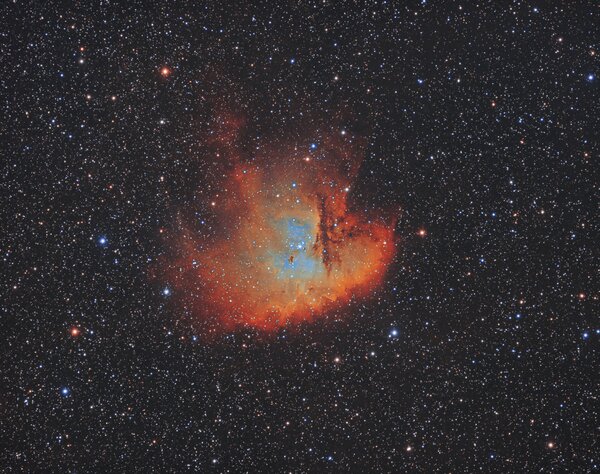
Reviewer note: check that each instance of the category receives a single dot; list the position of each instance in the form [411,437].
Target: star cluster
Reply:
[124,125]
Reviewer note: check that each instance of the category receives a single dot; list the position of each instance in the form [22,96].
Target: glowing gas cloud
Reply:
[287,247]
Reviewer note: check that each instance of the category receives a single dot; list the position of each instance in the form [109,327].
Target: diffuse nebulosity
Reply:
[289,245]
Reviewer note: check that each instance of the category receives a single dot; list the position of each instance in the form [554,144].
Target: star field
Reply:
[477,126]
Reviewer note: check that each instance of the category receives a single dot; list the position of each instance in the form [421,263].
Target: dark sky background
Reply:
[478,353]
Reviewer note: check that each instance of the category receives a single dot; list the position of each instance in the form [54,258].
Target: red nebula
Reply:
[289,247]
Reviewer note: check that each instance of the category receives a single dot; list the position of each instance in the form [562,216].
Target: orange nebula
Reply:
[289,246]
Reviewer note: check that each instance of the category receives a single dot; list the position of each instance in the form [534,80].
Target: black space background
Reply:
[495,364]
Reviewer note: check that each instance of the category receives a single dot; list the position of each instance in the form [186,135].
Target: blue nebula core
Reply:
[297,259]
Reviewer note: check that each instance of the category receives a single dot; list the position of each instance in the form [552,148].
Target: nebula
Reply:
[287,247]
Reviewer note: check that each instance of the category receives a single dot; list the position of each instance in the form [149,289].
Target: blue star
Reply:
[590,77]
[102,241]
[166,291]
[393,333]
[585,335]
[65,391]
[313,146]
